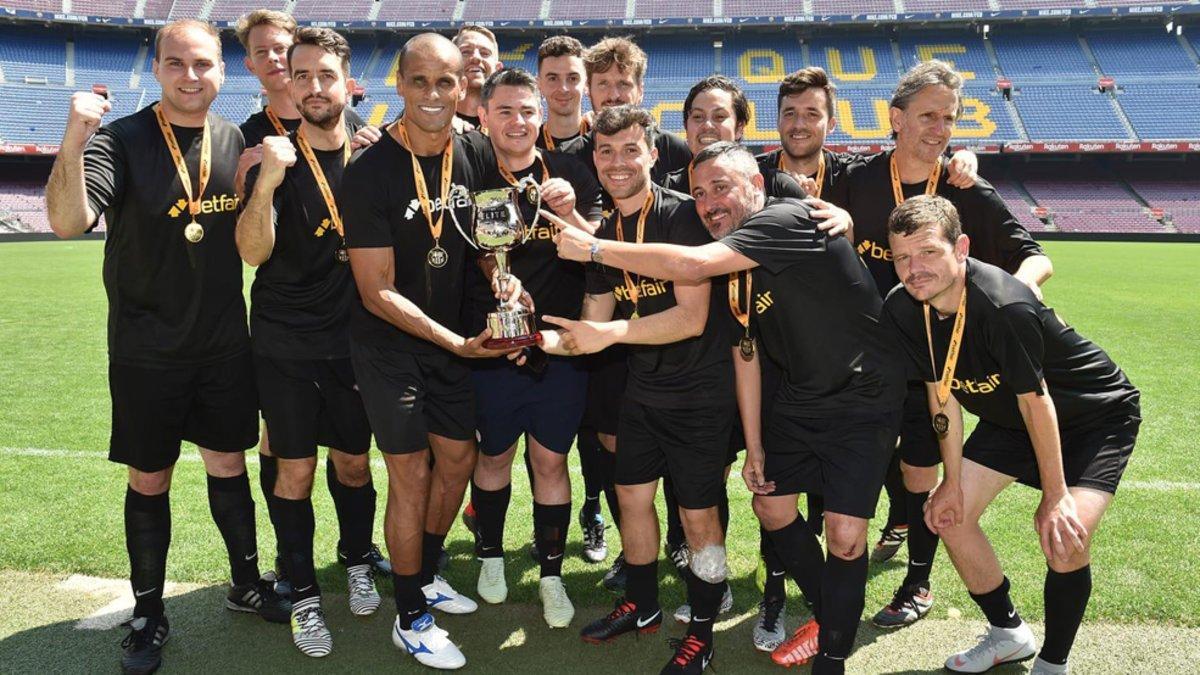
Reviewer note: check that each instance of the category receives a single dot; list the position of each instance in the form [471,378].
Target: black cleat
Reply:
[259,597]
[614,578]
[626,618]
[692,656]
[143,646]
[381,565]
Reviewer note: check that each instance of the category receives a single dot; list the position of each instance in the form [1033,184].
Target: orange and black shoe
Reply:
[692,656]
[800,648]
[626,618]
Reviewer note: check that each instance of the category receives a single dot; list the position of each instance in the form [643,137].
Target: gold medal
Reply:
[746,348]
[746,344]
[941,424]
[194,232]
[342,255]
[437,257]
[631,289]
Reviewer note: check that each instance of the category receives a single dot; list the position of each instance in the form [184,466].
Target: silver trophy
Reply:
[499,227]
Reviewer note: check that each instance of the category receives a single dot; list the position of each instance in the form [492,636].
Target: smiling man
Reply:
[562,80]
[481,58]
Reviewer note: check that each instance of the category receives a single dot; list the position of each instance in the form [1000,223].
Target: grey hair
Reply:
[929,73]
[740,158]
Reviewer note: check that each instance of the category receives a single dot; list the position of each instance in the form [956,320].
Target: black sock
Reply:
[410,601]
[588,446]
[843,593]
[641,586]
[1066,597]
[816,513]
[232,509]
[922,542]
[893,482]
[773,585]
[723,510]
[431,551]
[355,507]
[550,523]
[147,538]
[608,469]
[998,607]
[801,555]
[705,600]
[675,536]
[491,509]
[295,533]
[828,665]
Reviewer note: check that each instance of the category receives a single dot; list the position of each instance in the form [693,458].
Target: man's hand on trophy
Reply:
[510,291]
[559,196]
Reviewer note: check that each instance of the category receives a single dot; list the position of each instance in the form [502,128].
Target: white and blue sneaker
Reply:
[441,596]
[428,644]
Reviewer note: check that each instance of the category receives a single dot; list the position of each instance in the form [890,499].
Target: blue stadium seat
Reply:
[1042,57]
[1141,54]
[1068,112]
[1163,111]
[33,54]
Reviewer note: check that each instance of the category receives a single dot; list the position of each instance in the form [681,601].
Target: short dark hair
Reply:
[559,45]
[507,77]
[921,211]
[614,120]
[804,79]
[326,39]
[741,107]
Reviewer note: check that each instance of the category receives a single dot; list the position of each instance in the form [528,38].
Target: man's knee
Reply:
[919,478]
[846,537]
[701,524]
[150,483]
[709,563]
[295,478]
[352,470]
[223,464]
[773,513]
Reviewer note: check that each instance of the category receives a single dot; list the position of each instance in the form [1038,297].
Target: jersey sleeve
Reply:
[363,206]
[1015,340]
[103,171]
[589,197]
[782,185]
[897,318]
[596,280]
[778,236]
[686,227]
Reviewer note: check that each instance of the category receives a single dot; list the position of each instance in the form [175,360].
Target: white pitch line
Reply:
[1154,485]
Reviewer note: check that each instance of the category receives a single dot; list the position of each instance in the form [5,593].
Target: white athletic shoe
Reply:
[309,632]
[441,596]
[684,613]
[997,646]
[1041,667]
[360,582]
[492,587]
[556,606]
[428,644]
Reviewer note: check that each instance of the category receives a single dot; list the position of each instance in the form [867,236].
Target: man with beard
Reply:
[292,231]
[838,410]
[481,58]
[179,359]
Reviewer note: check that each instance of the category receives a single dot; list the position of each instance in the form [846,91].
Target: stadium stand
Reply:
[653,9]
[417,10]
[33,56]
[23,208]
[1042,56]
[593,9]
[1068,112]
[1143,54]
[521,10]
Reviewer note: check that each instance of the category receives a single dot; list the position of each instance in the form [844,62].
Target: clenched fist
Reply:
[278,154]
[86,115]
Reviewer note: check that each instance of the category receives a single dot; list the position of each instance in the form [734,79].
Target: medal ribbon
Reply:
[435,227]
[735,304]
[930,186]
[276,122]
[630,288]
[322,181]
[512,179]
[548,140]
[820,178]
[960,323]
[181,165]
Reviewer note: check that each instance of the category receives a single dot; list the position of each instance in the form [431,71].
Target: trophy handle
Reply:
[529,185]
[456,192]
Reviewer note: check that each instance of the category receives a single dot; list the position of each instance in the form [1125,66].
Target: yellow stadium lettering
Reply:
[667,106]
[378,111]
[976,121]
[753,133]
[761,66]
[390,80]
[869,70]
[883,125]
[930,52]
[517,54]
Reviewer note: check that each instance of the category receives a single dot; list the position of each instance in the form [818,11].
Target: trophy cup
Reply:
[498,227]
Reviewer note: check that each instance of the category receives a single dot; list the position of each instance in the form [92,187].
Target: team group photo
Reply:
[599,339]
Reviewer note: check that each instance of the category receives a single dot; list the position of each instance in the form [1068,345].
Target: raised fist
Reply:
[86,115]
[278,154]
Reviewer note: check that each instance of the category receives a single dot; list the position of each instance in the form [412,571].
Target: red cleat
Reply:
[800,648]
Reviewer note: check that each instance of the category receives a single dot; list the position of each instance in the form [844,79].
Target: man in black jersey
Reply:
[267,35]
[544,405]
[562,80]
[481,58]
[409,264]
[837,413]
[924,110]
[1055,413]
[179,359]
[677,409]
[292,231]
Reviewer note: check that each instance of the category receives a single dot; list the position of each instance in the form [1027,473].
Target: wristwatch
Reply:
[595,251]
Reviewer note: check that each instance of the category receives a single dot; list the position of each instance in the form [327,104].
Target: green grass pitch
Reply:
[60,510]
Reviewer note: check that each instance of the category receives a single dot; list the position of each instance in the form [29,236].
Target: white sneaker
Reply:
[428,644]
[441,596]
[309,632]
[360,582]
[997,646]
[556,606]
[1041,667]
[492,587]
[684,613]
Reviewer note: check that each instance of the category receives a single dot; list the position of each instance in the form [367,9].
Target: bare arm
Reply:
[255,233]
[945,505]
[1059,528]
[1035,271]
[686,319]
[66,192]
[748,385]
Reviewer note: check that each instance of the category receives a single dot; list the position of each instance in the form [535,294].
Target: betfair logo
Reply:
[414,206]
[869,249]
[323,228]
[987,386]
[646,288]
[763,302]
[214,204]
[544,233]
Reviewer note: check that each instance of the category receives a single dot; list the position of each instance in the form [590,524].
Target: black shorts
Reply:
[607,373]
[690,445]
[155,409]
[918,443]
[309,403]
[843,458]
[1094,457]
[512,401]
[409,396]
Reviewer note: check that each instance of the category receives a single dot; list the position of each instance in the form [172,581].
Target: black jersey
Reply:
[996,236]
[692,373]
[170,302]
[838,166]
[379,206]
[776,183]
[258,126]
[556,285]
[816,312]
[1011,343]
[301,296]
